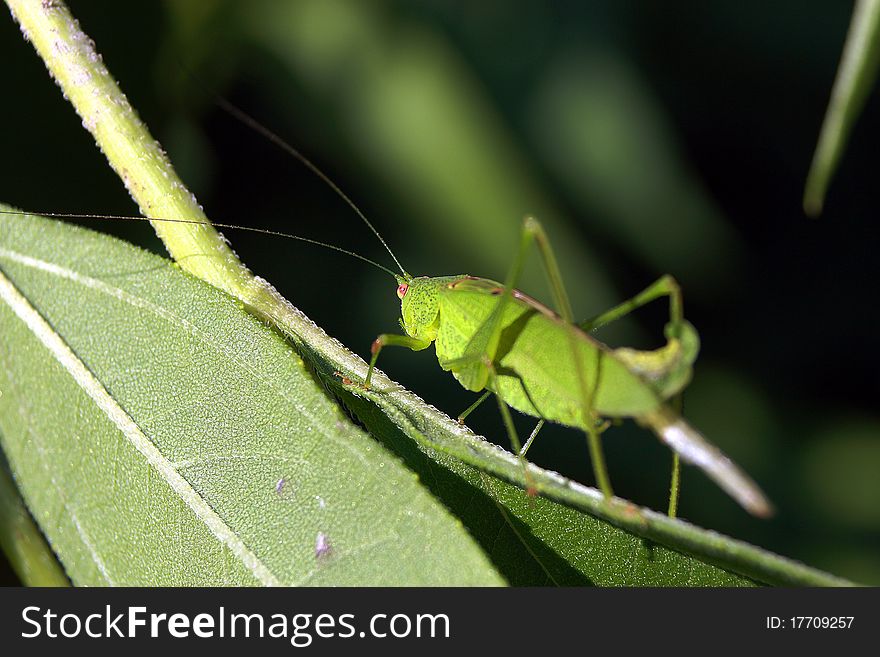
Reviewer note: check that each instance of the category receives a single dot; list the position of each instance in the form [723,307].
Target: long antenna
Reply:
[265,231]
[260,129]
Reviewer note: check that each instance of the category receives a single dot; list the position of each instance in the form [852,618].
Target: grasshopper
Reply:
[495,339]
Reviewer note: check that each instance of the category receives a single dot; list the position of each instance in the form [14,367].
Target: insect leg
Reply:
[470,409]
[471,367]
[532,437]
[532,230]
[481,350]
[392,340]
[664,286]
[512,434]
[483,346]
[597,456]
[674,485]
[675,478]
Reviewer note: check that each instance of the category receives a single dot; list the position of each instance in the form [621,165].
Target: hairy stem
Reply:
[137,158]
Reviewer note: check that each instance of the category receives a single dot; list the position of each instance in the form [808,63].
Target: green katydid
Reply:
[497,340]
[494,338]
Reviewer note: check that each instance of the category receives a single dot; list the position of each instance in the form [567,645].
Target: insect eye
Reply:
[401,290]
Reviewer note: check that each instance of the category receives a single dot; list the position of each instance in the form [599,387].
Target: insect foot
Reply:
[346,381]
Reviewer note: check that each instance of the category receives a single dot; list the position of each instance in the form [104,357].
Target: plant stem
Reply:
[137,158]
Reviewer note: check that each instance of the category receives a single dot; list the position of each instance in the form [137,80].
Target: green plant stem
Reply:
[31,558]
[137,158]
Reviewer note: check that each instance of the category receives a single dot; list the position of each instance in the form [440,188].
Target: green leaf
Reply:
[855,78]
[570,535]
[161,435]
[538,541]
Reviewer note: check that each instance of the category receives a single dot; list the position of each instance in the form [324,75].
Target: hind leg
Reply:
[666,286]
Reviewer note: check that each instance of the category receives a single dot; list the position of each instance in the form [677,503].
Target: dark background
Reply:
[649,137]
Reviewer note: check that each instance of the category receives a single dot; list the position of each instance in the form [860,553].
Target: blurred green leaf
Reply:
[839,474]
[145,413]
[606,138]
[855,79]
